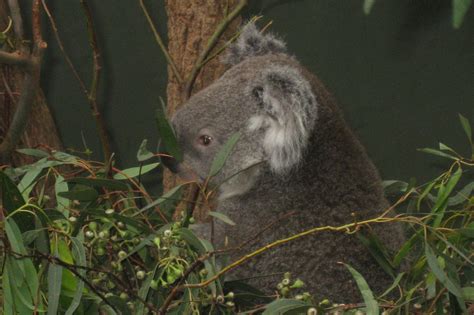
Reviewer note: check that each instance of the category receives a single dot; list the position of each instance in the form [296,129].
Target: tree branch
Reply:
[29,85]
[161,44]
[103,134]
[210,45]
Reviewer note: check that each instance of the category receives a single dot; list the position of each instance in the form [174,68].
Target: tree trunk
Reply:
[41,130]
[191,23]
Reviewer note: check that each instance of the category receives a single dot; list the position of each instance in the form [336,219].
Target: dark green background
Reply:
[400,74]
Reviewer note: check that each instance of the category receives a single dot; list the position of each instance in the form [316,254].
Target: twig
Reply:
[63,51]
[32,66]
[161,44]
[15,59]
[15,12]
[103,134]
[210,45]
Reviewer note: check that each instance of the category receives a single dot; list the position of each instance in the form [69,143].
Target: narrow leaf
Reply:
[55,272]
[439,273]
[33,152]
[79,255]
[135,171]
[368,4]
[438,153]
[460,8]
[281,306]
[169,143]
[60,186]
[219,215]
[143,154]
[223,154]
[371,304]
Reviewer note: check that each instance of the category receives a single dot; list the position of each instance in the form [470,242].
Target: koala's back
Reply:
[335,184]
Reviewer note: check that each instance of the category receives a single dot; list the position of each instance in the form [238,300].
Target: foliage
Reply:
[460,8]
[81,237]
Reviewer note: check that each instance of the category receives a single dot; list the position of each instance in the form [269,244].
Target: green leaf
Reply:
[169,143]
[55,273]
[468,293]
[425,192]
[460,8]
[143,154]
[282,306]
[368,4]
[371,304]
[81,193]
[219,215]
[60,186]
[394,285]
[443,195]
[467,129]
[169,195]
[99,183]
[438,153]
[79,255]
[439,273]
[11,196]
[33,152]
[377,250]
[223,154]
[394,186]
[135,171]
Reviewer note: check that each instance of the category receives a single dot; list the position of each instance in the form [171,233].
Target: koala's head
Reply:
[263,96]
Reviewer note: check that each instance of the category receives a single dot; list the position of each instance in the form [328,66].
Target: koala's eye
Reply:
[205,140]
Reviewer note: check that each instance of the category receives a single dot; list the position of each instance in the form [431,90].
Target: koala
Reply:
[296,159]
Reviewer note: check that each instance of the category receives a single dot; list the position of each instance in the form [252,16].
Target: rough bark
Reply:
[190,25]
[41,129]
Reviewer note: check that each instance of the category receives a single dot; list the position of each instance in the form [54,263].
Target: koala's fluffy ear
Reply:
[252,42]
[288,115]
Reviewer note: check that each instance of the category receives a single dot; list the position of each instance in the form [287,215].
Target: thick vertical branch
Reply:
[195,30]
[30,63]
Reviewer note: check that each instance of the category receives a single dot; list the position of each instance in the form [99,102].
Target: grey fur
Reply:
[319,169]
[251,43]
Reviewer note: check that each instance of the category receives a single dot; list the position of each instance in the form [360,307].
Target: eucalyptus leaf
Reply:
[219,215]
[282,306]
[460,8]
[99,183]
[79,255]
[135,171]
[371,304]
[223,154]
[169,143]
[54,285]
[33,152]
[368,4]
[439,273]
[438,153]
[143,154]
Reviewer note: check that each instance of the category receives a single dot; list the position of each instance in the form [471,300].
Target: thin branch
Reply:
[63,51]
[103,134]
[210,45]
[14,58]
[161,44]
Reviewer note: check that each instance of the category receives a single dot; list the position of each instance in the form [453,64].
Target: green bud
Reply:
[285,291]
[100,251]
[299,297]
[192,220]
[230,304]
[93,226]
[287,275]
[167,233]
[140,274]
[297,284]
[279,286]
[89,234]
[157,241]
[220,299]
[154,284]
[124,296]
[230,295]
[122,254]
[109,211]
[285,281]
[120,224]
